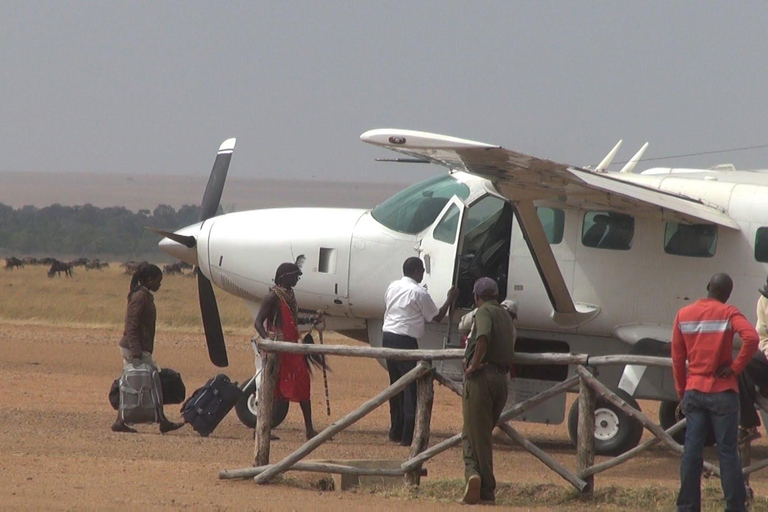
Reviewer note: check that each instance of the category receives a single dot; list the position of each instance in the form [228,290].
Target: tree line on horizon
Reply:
[88,230]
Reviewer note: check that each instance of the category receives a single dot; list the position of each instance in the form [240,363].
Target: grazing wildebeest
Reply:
[79,262]
[13,262]
[96,265]
[29,260]
[173,268]
[57,267]
[130,266]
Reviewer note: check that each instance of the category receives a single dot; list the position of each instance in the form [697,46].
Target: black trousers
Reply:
[755,374]
[402,406]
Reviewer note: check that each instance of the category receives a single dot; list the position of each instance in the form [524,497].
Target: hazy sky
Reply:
[155,87]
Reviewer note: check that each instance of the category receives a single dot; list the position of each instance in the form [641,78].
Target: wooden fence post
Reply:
[425,397]
[586,434]
[266,397]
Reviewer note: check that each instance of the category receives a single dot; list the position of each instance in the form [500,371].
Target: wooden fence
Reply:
[424,374]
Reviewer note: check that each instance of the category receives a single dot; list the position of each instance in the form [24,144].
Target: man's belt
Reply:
[501,368]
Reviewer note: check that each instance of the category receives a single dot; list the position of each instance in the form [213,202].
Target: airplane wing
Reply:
[524,178]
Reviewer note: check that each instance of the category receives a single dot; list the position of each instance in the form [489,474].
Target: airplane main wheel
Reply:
[247,408]
[615,431]
[667,419]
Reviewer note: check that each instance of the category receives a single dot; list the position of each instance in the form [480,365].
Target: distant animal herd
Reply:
[56,267]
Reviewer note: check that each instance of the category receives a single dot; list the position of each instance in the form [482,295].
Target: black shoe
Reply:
[122,427]
[393,439]
[406,442]
[169,426]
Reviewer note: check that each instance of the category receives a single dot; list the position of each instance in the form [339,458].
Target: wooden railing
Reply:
[424,374]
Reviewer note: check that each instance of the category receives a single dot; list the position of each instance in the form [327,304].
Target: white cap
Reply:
[510,306]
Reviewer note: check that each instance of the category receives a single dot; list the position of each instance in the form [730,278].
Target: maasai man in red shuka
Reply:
[280,313]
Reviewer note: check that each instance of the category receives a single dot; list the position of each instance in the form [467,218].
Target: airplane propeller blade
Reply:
[186,241]
[215,187]
[214,336]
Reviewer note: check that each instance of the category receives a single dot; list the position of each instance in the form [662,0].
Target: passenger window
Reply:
[761,245]
[608,230]
[553,222]
[446,229]
[696,240]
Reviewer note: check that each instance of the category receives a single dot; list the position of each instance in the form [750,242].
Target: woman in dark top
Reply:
[138,341]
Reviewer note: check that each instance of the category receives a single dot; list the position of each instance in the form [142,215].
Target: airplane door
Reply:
[439,248]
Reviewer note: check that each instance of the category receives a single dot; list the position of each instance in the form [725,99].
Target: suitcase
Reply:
[138,401]
[174,391]
[208,405]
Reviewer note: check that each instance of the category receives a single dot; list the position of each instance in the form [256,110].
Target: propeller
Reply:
[214,336]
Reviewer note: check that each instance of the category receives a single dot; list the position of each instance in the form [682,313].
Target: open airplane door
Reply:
[439,248]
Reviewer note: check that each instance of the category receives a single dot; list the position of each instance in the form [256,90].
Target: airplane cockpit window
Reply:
[553,222]
[697,240]
[446,229]
[761,245]
[608,230]
[414,209]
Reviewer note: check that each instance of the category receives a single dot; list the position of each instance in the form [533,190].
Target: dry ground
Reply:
[58,451]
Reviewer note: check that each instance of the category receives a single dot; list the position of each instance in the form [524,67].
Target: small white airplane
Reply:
[599,262]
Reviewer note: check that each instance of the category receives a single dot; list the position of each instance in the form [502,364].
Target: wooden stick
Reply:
[425,397]
[757,466]
[266,397]
[308,447]
[454,353]
[369,352]
[451,384]
[551,463]
[585,442]
[325,372]
[608,395]
[311,467]
[599,468]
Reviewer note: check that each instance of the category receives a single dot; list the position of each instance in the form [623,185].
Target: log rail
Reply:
[424,374]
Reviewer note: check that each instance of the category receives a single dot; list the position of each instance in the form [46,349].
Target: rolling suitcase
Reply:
[138,401]
[207,406]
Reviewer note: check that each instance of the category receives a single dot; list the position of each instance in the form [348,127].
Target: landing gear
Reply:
[667,419]
[248,406]
[615,431]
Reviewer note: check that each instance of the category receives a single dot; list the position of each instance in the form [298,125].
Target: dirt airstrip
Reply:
[57,450]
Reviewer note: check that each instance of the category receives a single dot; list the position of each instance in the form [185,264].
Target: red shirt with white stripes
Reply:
[703,335]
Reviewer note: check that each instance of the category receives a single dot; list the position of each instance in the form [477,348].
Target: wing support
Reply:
[565,311]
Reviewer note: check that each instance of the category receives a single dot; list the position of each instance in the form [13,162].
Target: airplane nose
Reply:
[179,251]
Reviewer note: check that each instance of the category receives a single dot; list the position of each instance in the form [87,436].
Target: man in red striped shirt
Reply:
[703,336]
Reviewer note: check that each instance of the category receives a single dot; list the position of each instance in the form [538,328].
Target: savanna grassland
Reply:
[58,340]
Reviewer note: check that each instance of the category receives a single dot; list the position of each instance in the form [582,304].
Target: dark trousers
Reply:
[402,406]
[754,374]
[720,411]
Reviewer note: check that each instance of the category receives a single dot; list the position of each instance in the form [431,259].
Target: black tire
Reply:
[615,431]
[246,407]
[667,419]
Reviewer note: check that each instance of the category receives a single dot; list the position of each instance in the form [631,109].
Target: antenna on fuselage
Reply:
[633,161]
[602,166]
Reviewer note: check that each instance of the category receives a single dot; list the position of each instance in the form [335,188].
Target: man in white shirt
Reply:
[409,307]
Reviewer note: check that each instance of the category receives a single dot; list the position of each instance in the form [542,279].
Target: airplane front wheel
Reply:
[615,431]
[248,406]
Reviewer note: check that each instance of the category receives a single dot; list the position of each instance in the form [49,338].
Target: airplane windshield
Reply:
[414,209]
